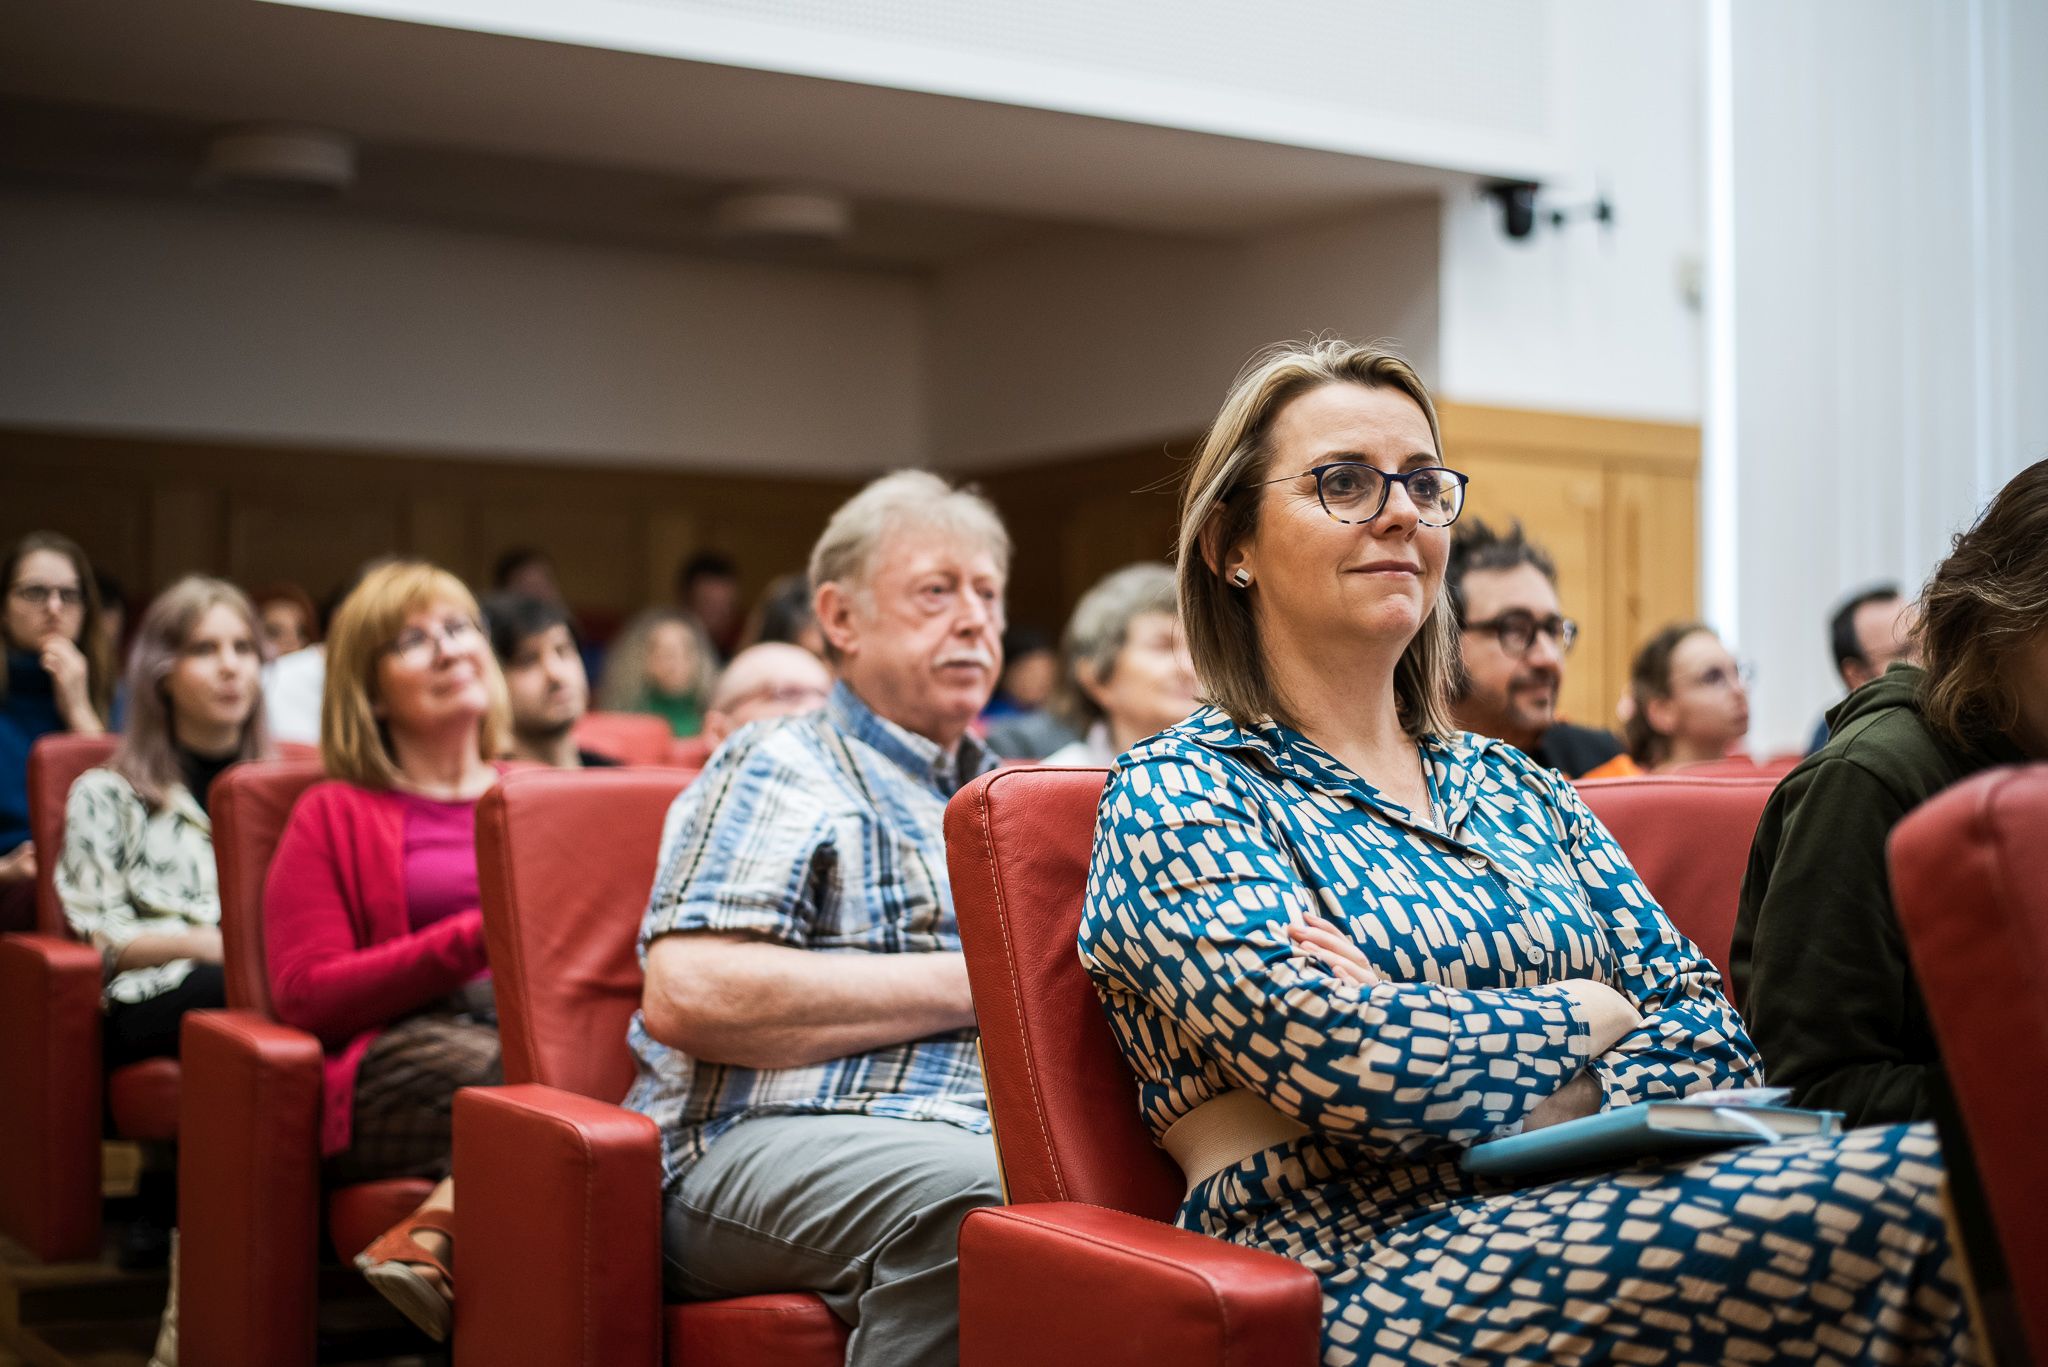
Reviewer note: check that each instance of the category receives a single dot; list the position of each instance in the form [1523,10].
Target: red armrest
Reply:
[248,1191]
[1083,1286]
[560,1230]
[50,1090]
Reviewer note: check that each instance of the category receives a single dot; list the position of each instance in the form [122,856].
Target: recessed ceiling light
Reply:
[782,215]
[292,161]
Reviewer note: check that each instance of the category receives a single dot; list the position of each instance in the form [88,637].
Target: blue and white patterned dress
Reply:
[1212,838]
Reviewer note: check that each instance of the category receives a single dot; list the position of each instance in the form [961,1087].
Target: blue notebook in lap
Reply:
[1609,1139]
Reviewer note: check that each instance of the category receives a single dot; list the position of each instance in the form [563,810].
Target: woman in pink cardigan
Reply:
[371,922]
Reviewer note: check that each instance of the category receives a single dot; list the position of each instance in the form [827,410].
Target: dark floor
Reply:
[91,1314]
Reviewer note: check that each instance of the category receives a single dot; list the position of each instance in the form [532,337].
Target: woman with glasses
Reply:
[1688,700]
[59,677]
[1340,941]
[372,924]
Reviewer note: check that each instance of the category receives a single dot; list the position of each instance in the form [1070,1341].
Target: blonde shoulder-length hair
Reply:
[1219,507]
[355,744]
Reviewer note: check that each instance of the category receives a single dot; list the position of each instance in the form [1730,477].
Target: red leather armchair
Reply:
[1969,875]
[1689,838]
[250,1196]
[54,764]
[628,737]
[559,1254]
[51,1088]
[1080,1268]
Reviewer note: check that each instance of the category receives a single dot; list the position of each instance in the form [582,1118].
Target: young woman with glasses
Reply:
[1689,699]
[59,678]
[372,926]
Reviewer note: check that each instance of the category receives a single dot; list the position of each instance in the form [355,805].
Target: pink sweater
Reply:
[344,960]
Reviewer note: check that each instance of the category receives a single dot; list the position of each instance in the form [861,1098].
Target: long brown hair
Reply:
[147,756]
[1987,599]
[1222,635]
[92,639]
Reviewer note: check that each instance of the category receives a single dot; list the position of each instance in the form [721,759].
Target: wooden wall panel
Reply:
[1615,501]
[110,518]
[151,510]
[1562,504]
[275,535]
[1075,520]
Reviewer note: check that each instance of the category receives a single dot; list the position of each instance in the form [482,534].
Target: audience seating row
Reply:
[560,1228]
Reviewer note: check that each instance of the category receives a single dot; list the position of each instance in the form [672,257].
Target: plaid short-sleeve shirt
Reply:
[826,833]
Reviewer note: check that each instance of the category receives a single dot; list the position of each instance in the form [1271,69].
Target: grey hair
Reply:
[845,552]
[1100,626]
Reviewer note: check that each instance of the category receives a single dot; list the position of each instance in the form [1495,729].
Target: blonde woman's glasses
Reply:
[1353,492]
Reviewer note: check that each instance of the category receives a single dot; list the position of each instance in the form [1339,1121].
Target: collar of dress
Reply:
[1451,764]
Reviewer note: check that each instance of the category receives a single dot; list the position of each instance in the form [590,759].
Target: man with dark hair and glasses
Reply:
[1513,639]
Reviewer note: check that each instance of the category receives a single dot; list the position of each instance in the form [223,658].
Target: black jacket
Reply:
[1819,963]
[1574,750]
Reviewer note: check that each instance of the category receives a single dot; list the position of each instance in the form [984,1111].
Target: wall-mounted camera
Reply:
[1520,211]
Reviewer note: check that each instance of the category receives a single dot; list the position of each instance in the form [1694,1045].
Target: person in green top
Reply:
[1819,963]
[663,665]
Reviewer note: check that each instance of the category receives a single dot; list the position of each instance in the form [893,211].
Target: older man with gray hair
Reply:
[806,1036]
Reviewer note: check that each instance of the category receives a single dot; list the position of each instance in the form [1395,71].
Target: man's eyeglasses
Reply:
[1353,492]
[415,646]
[1517,631]
[36,595]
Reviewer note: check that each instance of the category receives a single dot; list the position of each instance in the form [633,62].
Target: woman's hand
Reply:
[1334,950]
[65,663]
[1609,1015]
[18,865]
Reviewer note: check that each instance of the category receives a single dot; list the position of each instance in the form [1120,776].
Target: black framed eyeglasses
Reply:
[1517,631]
[1354,492]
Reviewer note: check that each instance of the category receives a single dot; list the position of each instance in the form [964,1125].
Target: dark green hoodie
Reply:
[1818,962]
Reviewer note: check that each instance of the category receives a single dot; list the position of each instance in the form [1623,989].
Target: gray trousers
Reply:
[862,1210]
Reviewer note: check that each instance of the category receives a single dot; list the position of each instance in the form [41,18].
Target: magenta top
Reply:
[440,858]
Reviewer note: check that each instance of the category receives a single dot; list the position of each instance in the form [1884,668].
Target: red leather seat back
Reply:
[1064,1102]
[690,752]
[54,764]
[628,737]
[1969,877]
[565,860]
[250,804]
[1689,838]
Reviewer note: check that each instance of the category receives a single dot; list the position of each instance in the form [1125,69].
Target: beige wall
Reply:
[1095,340]
[194,319]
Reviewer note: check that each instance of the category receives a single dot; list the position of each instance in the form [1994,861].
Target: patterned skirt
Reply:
[1821,1250]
